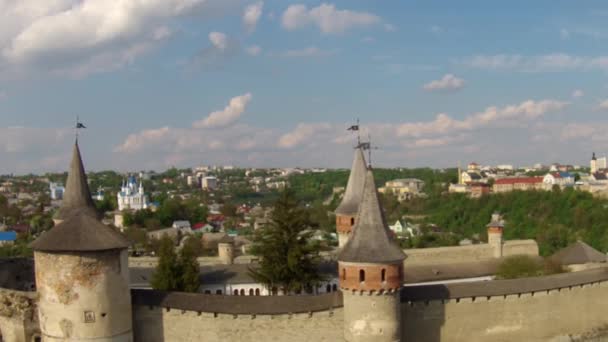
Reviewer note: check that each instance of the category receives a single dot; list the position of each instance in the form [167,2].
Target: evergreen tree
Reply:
[189,277]
[289,257]
[166,277]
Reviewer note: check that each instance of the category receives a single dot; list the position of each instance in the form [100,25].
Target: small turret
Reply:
[347,210]
[371,274]
[495,229]
[225,250]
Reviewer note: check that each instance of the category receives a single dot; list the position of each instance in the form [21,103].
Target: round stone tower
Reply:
[347,210]
[225,250]
[371,275]
[82,274]
[495,228]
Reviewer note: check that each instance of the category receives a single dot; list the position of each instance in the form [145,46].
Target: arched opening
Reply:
[328,288]
[235,292]
[257,292]
[383,275]
[207,291]
[242,292]
[352,221]
[275,291]
[344,274]
[218,292]
[361,276]
[251,292]
[334,287]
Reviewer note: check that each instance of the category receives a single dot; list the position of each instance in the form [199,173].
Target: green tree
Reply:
[289,256]
[166,276]
[189,277]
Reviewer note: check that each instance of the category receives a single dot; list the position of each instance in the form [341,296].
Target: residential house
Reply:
[559,178]
[404,188]
[518,183]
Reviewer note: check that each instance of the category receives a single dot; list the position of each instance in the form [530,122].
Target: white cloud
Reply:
[253,50]
[435,29]
[603,105]
[84,34]
[327,18]
[136,142]
[447,82]
[219,40]
[230,114]
[301,134]
[252,15]
[368,39]
[578,93]
[542,63]
[443,124]
[390,28]
[311,51]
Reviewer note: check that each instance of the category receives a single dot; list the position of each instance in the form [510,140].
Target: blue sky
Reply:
[275,83]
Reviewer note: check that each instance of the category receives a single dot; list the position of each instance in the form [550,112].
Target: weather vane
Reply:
[367,146]
[356,128]
[78,127]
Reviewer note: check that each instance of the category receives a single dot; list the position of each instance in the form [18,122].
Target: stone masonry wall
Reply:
[161,325]
[470,253]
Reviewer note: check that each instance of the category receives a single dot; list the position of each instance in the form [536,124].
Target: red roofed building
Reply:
[519,183]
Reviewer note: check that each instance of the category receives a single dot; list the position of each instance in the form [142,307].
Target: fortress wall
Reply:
[159,325]
[149,262]
[447,255]
[464,254]
[502,313]
[172,316]
[18,315]
[519,247]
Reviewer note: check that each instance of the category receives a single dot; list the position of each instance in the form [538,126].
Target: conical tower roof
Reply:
[354,187]
[370,242]
[77,196]
[80,230]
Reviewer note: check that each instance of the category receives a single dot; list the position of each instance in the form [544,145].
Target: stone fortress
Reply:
[81,289]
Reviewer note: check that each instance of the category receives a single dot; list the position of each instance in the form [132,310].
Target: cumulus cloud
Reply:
[543,63]
[218,40]
[603,105]
[527,110]
[311,51]
[252,15]
[327,18]
[222,49]
[89,35]
[301,133]
[578,93]
[253,50]
[447,82]
[228,115]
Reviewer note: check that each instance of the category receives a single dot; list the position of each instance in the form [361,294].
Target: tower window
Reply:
[328,288]
[344,274]
[361,275]
[352,221]
[383,275]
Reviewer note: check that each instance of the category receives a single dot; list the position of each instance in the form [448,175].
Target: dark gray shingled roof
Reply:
[77,196]
[369,241]
[81,232]
[578,253]
[354,187]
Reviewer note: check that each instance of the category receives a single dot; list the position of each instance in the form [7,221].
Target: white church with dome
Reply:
[132,196]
